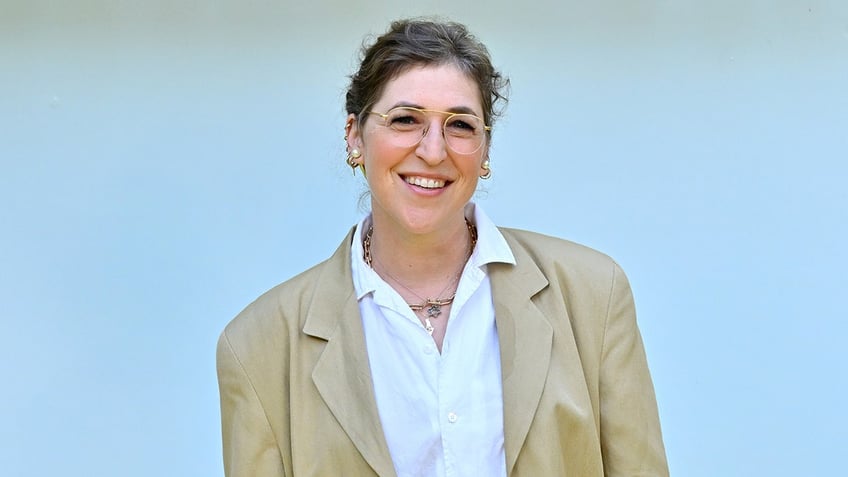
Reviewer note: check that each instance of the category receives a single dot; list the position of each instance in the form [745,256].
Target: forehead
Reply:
[443,87]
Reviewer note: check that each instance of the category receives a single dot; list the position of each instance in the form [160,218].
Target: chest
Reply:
[441,412]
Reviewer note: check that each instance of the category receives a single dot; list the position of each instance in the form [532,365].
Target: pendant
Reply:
[434,310]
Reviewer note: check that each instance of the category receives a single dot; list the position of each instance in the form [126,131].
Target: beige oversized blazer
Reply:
[297,398]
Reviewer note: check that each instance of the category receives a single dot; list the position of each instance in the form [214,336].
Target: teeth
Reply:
[425,183]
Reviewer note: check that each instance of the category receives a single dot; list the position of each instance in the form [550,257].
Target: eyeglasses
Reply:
[464,133]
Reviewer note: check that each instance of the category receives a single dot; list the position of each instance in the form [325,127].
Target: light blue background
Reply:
[164,163]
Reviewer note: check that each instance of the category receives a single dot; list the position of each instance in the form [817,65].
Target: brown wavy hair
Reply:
[418,42]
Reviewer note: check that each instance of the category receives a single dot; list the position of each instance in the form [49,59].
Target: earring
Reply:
[352,161]
[485,167]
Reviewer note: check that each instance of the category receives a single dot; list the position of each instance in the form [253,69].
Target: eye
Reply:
[462,124]
[405,119]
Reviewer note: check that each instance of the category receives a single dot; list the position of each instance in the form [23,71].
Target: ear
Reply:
[484,157]
[484,163]
[353,135]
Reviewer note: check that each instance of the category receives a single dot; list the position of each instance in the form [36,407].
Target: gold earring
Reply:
[352,161]
[485,167]
[352,157]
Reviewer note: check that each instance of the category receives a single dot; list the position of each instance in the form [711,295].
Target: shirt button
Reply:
[429,349]
[452,417]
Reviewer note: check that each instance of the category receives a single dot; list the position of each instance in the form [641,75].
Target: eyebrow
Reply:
[454,110]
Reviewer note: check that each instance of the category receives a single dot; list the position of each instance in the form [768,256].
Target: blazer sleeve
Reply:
[631,439]
[250,448]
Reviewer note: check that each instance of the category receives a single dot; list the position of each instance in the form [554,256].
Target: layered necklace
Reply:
[431,306]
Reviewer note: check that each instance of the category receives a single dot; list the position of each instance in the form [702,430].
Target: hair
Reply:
[418,42]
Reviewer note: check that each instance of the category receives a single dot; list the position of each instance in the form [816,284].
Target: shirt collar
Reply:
[491,248]
[491,244]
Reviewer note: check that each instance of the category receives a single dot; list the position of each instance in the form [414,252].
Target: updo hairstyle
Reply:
[423,42]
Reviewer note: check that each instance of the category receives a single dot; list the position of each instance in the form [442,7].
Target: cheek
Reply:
[378,154]
[477,165]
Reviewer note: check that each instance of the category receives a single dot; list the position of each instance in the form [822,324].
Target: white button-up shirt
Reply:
[442,414]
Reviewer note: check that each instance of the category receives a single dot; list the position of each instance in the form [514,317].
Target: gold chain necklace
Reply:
[433,305]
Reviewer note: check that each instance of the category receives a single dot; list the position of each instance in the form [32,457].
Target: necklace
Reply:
[433,306]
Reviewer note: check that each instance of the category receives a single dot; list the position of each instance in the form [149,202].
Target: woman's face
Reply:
[422,188]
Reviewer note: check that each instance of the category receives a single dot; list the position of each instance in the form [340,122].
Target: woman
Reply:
[432,342]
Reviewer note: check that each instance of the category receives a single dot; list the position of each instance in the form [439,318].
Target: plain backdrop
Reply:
[162,163]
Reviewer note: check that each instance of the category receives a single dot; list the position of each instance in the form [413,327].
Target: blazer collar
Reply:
[342,374]
[526,338]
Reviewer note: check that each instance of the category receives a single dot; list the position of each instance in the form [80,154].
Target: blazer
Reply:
[297,397]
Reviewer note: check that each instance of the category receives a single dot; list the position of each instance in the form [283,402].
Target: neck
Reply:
[425,261]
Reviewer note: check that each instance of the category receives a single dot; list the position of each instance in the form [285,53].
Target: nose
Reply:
[432,148]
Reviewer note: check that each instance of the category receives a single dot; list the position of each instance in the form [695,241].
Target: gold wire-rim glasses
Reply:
[457,133]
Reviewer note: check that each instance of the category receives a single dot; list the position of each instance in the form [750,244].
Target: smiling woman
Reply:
[419,183]
[433,342]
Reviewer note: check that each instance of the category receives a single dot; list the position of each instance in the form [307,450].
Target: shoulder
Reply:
[278,314]
[553,253]
[580,273]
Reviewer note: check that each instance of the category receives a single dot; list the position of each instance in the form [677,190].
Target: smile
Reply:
[424,182]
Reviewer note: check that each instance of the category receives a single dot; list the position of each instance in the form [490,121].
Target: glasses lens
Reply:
[407,124]
[464,133]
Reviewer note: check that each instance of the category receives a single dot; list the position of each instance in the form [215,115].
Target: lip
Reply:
[425,183]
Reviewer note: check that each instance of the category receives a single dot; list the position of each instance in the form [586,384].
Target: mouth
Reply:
[425,182]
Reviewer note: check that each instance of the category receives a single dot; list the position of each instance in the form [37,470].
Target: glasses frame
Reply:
[449,115]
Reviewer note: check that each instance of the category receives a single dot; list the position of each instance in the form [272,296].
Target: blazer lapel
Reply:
[342,374]
[526,339]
